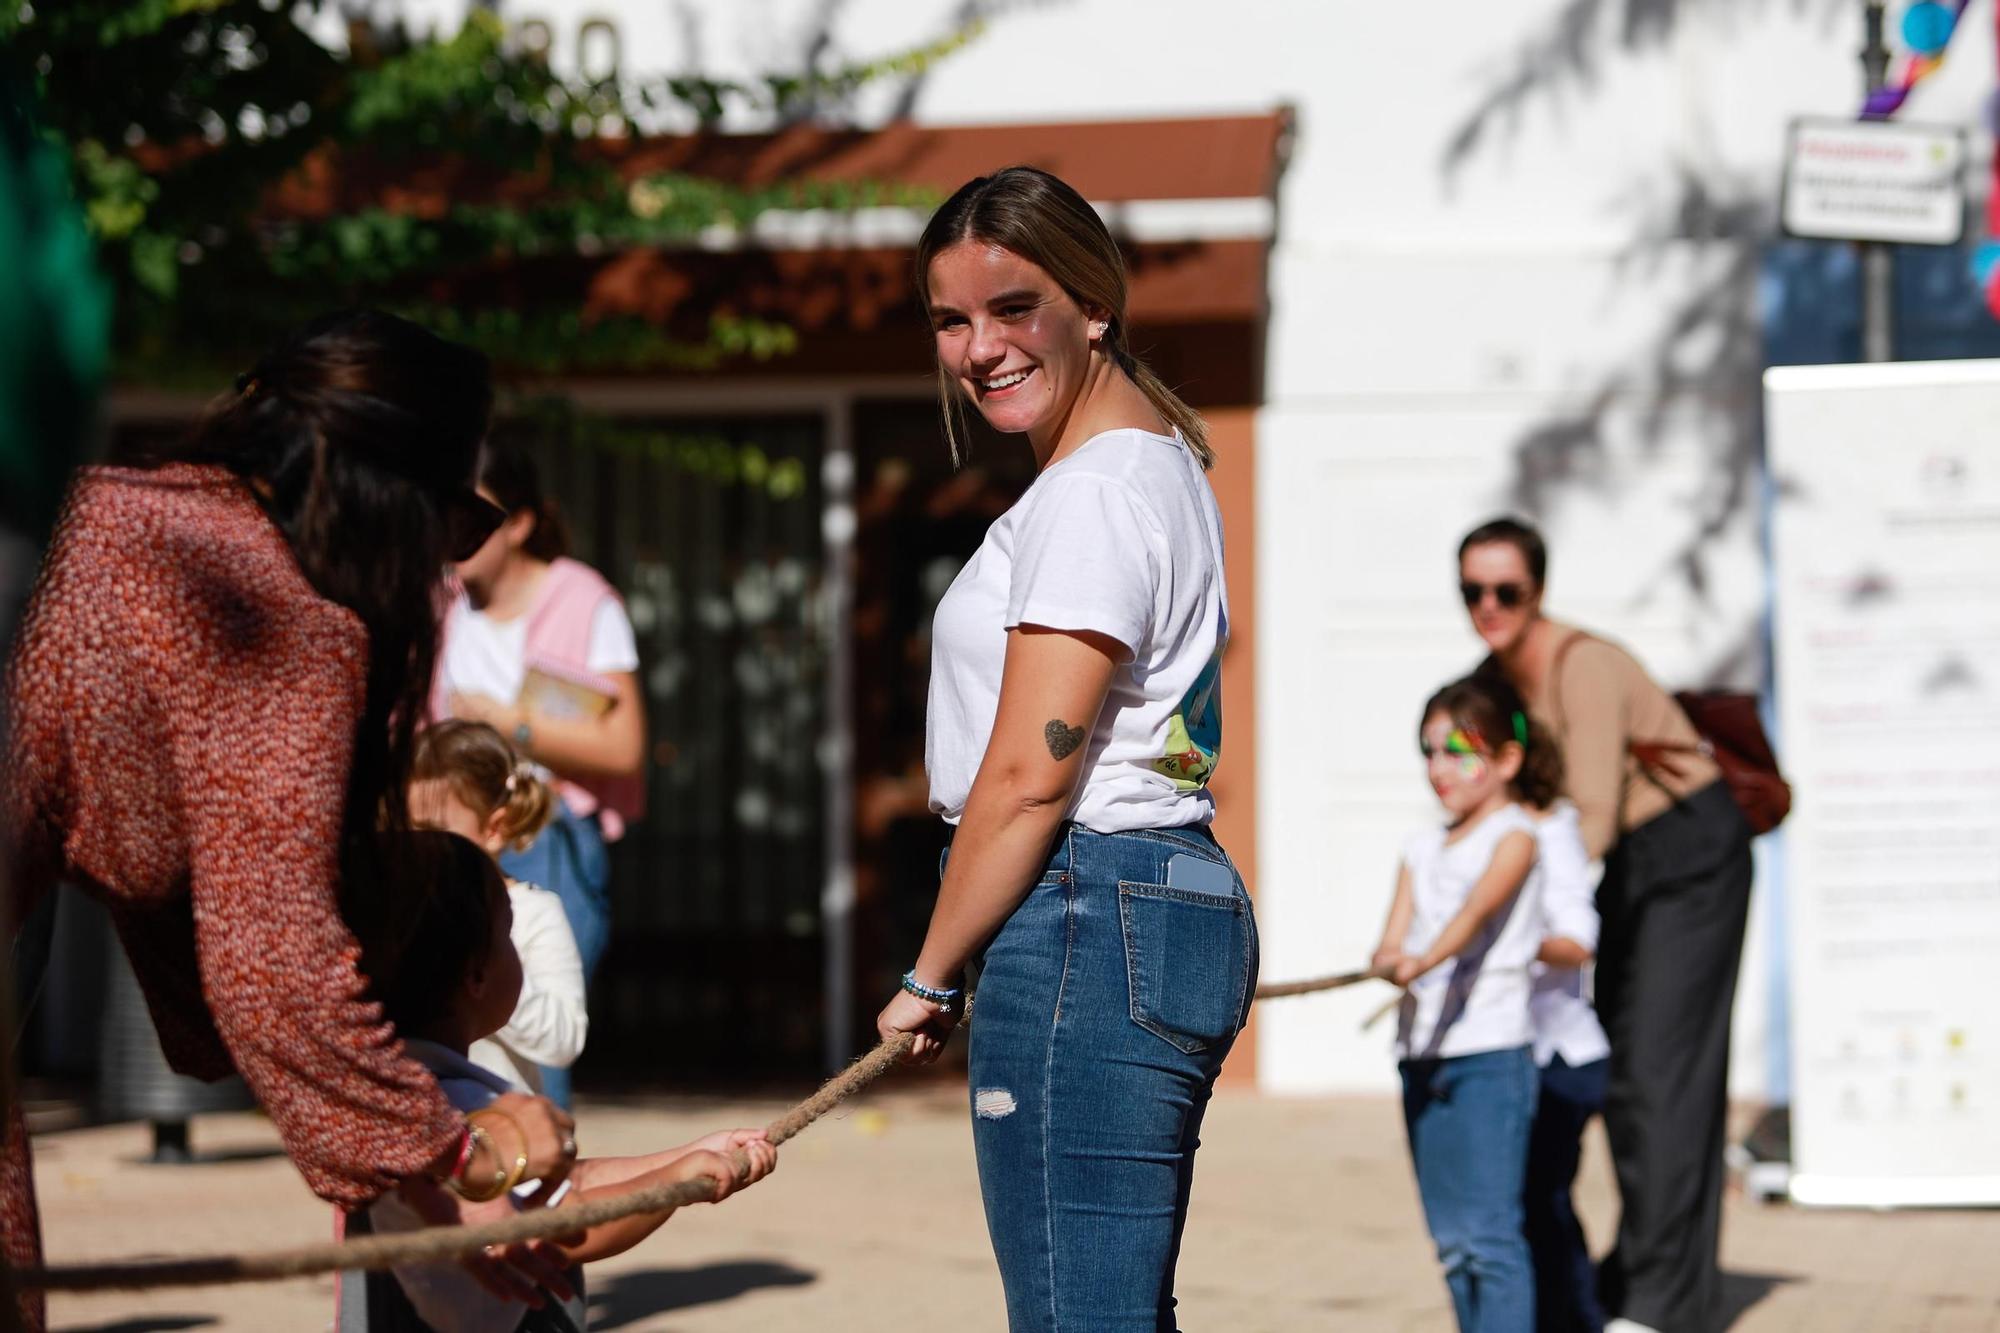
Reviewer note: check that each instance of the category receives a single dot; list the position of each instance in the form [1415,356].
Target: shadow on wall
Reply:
[626,1298]
[1756,300]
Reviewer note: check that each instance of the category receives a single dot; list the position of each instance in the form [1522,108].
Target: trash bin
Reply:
[134,1080]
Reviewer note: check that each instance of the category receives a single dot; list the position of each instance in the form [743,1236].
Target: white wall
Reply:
[1426,321]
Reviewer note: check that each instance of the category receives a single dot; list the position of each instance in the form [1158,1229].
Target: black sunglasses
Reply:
[469,519]
[1509,595]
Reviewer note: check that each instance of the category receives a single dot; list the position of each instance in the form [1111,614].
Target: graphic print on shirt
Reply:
[1194,732]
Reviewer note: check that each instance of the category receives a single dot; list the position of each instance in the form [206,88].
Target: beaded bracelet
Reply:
[946,1000]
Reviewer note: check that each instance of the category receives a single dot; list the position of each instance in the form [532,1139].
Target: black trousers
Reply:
[1675,898]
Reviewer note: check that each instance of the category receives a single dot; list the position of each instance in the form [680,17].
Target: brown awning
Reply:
[1197,308]
[1112,161]
[1198,303]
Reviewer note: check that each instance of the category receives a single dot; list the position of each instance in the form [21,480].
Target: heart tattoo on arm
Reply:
[1062,740]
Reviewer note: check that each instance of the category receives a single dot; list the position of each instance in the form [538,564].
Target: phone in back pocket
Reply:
[1197,874]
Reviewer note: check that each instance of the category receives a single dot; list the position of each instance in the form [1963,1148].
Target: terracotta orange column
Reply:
[1233,433]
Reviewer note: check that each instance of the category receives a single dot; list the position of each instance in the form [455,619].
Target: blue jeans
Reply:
[1106,1005]
[569,860]
[1565,1281]
[1468,1118]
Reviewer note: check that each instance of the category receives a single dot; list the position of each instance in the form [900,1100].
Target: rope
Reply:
[433,1244]
[436,1244]
[1278,990]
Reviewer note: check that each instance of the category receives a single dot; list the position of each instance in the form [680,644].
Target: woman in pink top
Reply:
[538,646]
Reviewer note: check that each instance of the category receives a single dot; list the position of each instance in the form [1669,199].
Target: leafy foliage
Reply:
[189,122]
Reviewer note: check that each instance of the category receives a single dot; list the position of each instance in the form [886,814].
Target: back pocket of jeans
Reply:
[1187,962]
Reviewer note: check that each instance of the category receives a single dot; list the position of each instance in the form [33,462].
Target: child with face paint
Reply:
[1463,928]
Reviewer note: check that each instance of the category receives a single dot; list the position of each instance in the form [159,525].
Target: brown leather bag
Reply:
[1732,738]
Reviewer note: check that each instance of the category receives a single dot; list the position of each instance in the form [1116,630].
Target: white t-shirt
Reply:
[1477,1001]
[1122,537]
[490,657]
[549,1023]
[1565,1021]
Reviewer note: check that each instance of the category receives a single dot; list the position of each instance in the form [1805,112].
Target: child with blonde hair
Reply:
[466,779]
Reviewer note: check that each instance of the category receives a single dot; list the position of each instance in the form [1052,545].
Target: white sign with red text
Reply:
[1848,180]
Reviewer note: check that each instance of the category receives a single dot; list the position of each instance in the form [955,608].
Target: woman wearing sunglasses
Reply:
[212,693]
[1674,900]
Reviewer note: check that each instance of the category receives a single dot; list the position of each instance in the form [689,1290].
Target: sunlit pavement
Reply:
[1304,1217]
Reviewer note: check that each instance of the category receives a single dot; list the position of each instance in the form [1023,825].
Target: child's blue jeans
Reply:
[1105,1008]
[1468,1118]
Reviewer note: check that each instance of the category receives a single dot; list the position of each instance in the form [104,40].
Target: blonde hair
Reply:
[486,775]
[1047,223]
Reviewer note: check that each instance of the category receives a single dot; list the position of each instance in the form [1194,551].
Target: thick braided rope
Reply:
[1278,990]
[436,1244]
[433,1244]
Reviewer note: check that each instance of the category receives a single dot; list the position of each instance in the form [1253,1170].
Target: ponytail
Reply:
[1184,419]
[527,807]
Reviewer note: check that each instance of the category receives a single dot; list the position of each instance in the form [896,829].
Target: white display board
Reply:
[1886,552]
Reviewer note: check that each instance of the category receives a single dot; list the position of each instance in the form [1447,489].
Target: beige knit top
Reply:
[1597,701]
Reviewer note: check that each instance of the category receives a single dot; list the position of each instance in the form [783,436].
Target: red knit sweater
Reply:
[182,709]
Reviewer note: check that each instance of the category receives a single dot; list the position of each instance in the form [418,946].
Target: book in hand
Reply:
[565,697]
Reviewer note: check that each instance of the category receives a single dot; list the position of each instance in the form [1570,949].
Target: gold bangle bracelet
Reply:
[519,1171]
[462,1187]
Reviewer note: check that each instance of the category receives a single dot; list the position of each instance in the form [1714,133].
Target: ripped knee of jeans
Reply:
[993,1103]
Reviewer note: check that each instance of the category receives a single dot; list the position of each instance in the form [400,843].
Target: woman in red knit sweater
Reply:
[213,689]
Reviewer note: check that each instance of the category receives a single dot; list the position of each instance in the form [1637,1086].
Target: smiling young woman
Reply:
[1074,721]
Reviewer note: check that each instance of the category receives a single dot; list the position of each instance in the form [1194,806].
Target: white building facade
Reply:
[1515,266]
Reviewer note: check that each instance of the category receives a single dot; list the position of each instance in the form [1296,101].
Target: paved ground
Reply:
[1304,1218]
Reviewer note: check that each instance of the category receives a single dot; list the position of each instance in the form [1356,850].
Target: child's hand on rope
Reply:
[758,1151]
[705,1163]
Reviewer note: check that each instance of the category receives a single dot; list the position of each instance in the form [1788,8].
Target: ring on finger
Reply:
[568,1146]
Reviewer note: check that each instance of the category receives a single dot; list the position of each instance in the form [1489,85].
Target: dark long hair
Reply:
[508,472]
[1045,221]
[1487,705]
[356,433]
